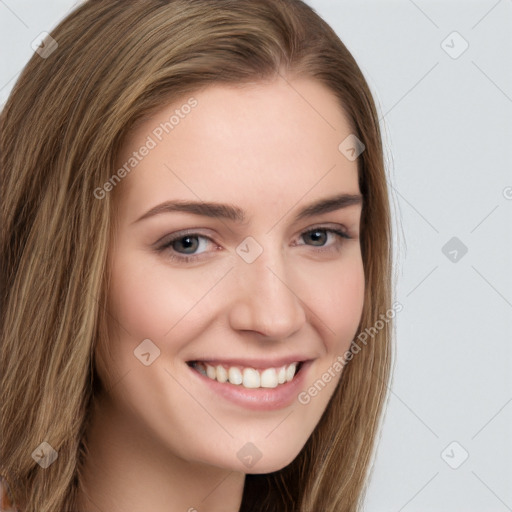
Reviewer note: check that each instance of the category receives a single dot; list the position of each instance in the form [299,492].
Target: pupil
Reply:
[314,234]
[188,244]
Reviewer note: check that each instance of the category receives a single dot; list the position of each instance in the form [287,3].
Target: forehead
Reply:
[259,142]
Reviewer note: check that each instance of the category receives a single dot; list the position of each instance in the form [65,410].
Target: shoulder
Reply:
[6,500]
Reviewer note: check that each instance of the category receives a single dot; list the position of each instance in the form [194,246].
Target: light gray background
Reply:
[447,127]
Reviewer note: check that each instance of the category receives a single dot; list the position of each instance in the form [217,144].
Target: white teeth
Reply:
[248,377]
[221,374]
[290,372]
[234,375]
[210,371]
[251,378]
[269,378]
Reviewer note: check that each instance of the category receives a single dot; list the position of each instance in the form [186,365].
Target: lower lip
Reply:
[258,399]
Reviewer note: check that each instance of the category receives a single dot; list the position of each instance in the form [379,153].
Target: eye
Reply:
[189,243]
[319,235]
[189,247]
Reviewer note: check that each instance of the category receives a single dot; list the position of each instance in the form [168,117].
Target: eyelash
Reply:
[189,258]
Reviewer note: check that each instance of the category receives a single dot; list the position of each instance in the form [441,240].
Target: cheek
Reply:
[138,310]
[337,300]
[147,301]
[348,302]
[337,309]
[144,301]
[136,306]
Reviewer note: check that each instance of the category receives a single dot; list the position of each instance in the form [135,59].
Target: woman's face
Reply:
[193,283]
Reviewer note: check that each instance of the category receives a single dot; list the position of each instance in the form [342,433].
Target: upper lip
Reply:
[256,363]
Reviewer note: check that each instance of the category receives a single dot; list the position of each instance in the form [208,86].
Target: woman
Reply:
[195,255]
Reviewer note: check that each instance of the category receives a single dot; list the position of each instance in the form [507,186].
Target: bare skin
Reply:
[160,438]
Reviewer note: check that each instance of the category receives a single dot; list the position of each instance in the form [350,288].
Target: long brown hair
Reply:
[61,129]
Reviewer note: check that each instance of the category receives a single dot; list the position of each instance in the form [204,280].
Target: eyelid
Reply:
[177,235]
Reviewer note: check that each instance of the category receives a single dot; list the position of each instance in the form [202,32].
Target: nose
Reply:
[265,299]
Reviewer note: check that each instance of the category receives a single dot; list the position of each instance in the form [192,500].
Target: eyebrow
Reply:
[236,214]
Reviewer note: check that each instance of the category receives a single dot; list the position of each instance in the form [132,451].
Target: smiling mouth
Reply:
[248,377]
